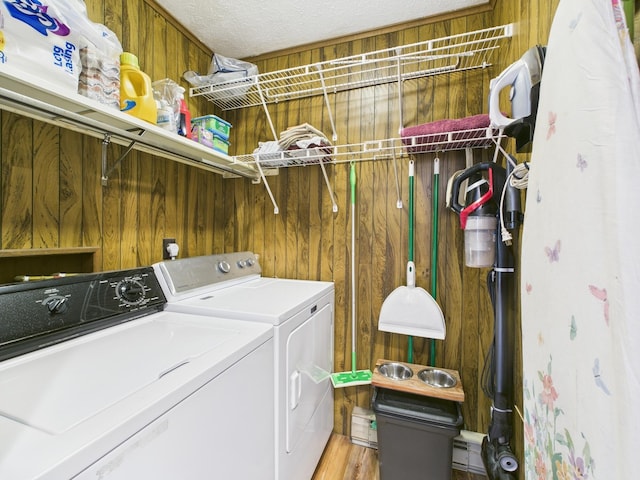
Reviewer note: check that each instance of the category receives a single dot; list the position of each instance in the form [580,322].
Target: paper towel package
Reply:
[99,77]
[36,39]
[46,37]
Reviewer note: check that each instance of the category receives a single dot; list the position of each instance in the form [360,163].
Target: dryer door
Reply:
[309,360]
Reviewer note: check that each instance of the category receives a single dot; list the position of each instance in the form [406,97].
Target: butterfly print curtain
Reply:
[580,263]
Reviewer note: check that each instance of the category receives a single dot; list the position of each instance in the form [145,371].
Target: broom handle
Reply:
[352,179]
[410,253]
[411,188]
[434,247]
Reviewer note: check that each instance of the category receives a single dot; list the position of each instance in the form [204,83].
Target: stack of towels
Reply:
[448,134]
[297,145]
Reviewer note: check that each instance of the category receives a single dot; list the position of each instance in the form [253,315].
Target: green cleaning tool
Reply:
[410,310]
[434,248]
[354,377]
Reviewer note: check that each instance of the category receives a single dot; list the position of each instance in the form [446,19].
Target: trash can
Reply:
[415,435]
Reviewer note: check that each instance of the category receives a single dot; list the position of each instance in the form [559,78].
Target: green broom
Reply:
[354,377]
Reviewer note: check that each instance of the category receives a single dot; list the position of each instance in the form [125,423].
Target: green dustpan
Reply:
[354,377]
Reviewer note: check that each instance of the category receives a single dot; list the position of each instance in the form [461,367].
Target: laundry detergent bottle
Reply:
[184,117]
[136,94]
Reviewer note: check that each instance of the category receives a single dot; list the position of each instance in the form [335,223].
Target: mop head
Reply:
[351,379]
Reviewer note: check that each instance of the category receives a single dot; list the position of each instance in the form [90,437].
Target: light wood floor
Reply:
[342,460]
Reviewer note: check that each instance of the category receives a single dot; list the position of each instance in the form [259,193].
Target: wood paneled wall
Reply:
[50,177]
[52,197]
[308,240]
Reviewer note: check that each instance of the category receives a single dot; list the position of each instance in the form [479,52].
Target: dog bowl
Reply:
[437,378]
[395,371]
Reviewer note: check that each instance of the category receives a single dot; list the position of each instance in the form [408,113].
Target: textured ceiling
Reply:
[246,28]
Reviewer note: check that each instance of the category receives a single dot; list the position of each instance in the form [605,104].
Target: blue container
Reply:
[220,144]
[214,124]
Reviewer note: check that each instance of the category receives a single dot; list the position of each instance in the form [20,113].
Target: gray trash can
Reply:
[415,435]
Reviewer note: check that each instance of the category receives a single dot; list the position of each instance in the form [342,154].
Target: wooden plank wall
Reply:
[50,177]
[51,194]
[308,240]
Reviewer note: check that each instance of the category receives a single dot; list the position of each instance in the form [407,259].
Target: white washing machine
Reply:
[97,381]
[301,313]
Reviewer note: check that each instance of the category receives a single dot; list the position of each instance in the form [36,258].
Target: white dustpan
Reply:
[410,310]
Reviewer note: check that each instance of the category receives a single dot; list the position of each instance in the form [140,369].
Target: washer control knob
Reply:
[249,262]
[130,291]
[224,266]
[56,304]
[242,263]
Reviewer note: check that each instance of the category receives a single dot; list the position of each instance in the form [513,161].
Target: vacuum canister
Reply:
[478,215]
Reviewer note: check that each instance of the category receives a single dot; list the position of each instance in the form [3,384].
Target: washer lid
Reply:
[267,300]
[55,389]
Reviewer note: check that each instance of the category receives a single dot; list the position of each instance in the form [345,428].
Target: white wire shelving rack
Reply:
[454,53]
[375,149]
[445,55]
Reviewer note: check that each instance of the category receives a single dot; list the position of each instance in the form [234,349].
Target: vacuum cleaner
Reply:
[490,215]
[484,247]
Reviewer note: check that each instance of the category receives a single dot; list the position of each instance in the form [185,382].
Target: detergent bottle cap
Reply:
[127,58]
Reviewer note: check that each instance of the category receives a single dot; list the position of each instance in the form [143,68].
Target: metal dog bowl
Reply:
[395,371]
[437,378]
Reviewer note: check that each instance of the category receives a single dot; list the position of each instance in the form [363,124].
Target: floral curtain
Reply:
[580,276]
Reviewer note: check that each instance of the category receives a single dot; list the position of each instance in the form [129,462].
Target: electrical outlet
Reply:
[165,242]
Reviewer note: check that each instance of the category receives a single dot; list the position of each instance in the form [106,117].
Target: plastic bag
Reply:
[230,68]
[42,38]
[100,61]
[222,69]
[75,15]
[169,93]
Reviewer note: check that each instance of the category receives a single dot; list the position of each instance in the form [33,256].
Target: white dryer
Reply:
[302,315]
[98,381]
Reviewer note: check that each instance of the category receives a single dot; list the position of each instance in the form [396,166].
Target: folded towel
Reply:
[303,129]
[267,147]
[447,134]
[442,126]
[292,135]
[298,145]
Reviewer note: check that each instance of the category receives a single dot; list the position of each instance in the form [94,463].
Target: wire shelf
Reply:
[446,55]
[455,53]
[375,149]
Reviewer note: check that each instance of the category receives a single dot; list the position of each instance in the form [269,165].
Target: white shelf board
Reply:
[27,95]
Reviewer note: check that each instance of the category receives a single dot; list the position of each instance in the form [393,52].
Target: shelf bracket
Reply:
[276,210]
[266,112]
[334,135]
[395,172]
[326,180]
[106,171]
[468,157]
[400,102]
[106,140]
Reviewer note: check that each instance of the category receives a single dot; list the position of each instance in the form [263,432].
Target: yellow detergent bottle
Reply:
[136,94]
